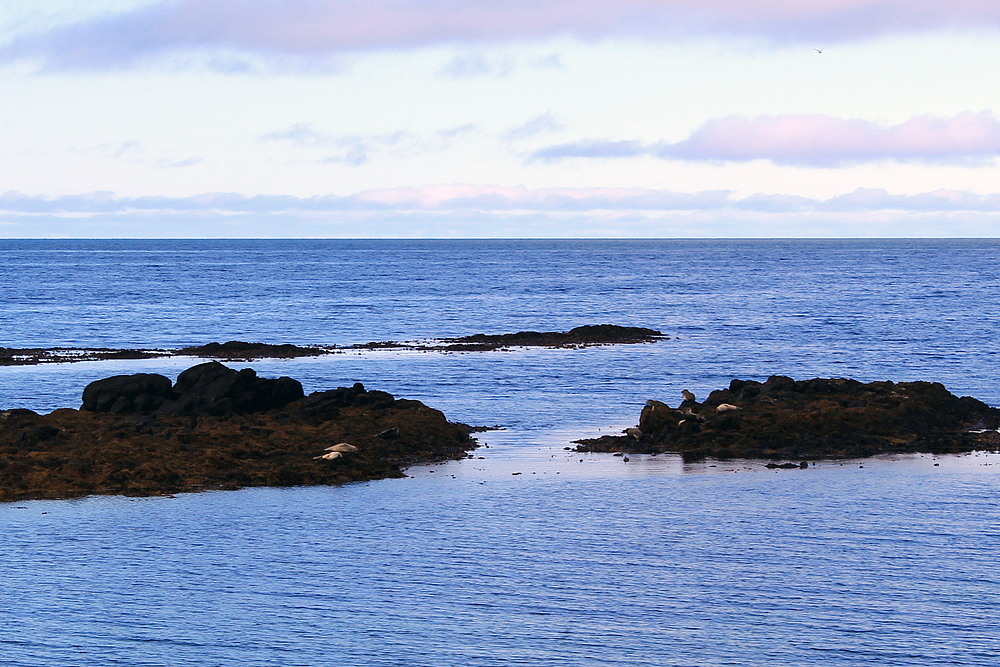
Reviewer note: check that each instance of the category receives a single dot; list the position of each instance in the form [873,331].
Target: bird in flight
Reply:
[819,50]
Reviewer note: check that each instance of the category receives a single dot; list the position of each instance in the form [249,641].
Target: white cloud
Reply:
[299,134]
[541,124]
[319,28]
[470,66]
[812,140]
[352,150]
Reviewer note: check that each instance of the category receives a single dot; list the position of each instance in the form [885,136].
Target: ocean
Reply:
[578,560]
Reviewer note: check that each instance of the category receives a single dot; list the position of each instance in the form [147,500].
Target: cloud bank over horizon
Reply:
[459,197]
[322,28]
[468,211]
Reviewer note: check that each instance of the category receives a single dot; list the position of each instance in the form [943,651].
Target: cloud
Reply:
[543,123]
[353,150]
[474,66]
[320,28]
[135,152]
[498,198]
[475,211]
[553,61]
[594,149]
[457,131]
[178,164]
[461,198]
[825,141]
[127,146]
[812,140]
[870,199]
[299,134]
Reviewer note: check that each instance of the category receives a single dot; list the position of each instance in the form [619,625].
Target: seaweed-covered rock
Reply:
[819,418]
[71,453]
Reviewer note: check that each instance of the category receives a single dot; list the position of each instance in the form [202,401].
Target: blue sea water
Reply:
[578,560]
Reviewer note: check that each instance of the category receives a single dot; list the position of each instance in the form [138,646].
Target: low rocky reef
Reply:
[784,419]
[235,350]
[585,336]
[243,351]
[25,356]
[217,428]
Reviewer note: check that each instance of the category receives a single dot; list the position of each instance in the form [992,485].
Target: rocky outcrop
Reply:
[216,428]
[142,392]
[209,388]
[811,419]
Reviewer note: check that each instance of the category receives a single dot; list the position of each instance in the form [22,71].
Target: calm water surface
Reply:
[590,561]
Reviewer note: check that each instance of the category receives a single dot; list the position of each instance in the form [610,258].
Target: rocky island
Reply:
[217,428]
[796,421]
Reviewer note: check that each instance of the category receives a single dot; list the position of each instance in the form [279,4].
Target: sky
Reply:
[548,118]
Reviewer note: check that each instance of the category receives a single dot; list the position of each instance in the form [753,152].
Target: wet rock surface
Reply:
[217,428]
[13,356]
[810,419]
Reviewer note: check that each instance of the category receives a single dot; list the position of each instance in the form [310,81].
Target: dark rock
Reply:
[237,349]
[374,399]
[778,383]
[208,388]
[324,405]
[214,389]
[142,392]
[595,334]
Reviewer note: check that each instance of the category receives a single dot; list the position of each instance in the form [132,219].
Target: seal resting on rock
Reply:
[342,447]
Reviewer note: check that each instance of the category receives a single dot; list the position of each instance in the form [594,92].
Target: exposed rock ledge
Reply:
[810,419]
[217,428]
[235,350]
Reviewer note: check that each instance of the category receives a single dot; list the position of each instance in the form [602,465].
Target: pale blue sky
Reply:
[439,118]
